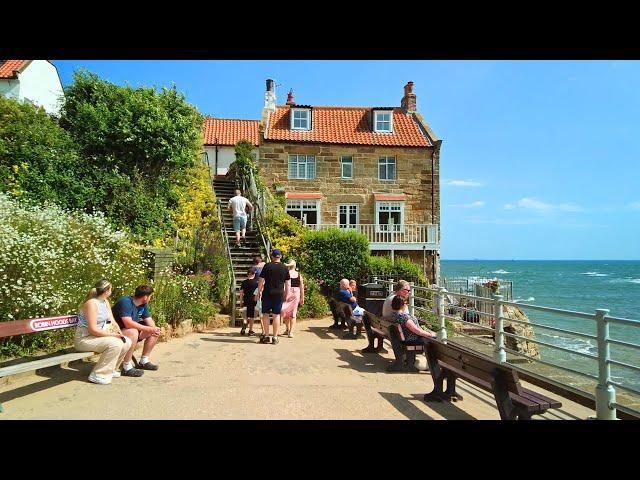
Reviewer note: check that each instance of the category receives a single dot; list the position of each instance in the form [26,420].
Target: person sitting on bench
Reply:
[413,333]
[96,332]
[344,295]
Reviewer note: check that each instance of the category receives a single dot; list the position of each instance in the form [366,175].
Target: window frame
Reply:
[306,168]
[293,119]
[376,113]
[395,168]
[389,203]
[299,205]
[357,207]
[343,163]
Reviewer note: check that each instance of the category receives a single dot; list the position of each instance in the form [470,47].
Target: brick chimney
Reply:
[270,96]
[408,102]
[290,98]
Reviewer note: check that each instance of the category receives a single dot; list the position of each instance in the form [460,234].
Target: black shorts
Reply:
[272,304]
[251,310]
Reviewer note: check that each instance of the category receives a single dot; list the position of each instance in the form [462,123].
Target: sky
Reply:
[539,159]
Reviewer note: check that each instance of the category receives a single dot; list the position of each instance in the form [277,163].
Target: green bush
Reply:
[179,297]
[333,254]
[315,305]
[38,159]
[403,268]
[50,259]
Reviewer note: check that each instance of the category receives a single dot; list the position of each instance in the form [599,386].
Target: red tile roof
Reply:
[223,131]
[302,196]
[346,125]
[389,197]
[7,67]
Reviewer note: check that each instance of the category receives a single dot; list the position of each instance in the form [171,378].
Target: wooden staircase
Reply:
[241,257]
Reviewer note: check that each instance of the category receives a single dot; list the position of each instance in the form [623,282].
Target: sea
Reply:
[576,285]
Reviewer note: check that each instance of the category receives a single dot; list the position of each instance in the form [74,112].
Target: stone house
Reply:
[220,138]
[371,169]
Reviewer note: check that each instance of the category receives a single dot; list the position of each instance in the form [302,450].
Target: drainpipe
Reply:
[216,145]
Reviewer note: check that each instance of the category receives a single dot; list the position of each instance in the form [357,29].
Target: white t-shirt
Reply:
[386,306]
[238,206]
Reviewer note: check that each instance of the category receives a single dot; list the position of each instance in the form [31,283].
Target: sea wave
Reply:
[501,271]
[595,274]
[530,299]
[575,344]
[625,280]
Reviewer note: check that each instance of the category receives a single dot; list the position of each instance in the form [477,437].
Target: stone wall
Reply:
[413,172]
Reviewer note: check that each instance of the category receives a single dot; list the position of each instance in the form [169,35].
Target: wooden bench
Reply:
[353,323]
[380,328]
[450,362]
[339,319]
[38,325]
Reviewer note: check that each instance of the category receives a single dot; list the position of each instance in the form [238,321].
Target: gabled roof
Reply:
[225,131]
[347,125]
[9,67]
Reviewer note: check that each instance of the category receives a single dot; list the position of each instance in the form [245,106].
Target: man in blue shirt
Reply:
[344,294]
[134,318]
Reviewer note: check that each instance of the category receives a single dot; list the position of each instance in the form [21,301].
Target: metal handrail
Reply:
[605,395]
[232,276]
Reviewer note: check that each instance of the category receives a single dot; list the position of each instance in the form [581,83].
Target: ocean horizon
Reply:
[575,285]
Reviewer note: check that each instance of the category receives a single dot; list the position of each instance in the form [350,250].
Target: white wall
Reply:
[10,88]
[40,84]
[226,156]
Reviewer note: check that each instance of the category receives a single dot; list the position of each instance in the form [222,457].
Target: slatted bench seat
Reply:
[450,362]
[380,328]
[339,320]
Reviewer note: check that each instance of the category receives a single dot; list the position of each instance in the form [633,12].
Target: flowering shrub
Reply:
[315,305]
[50,259]
[493,285]
[178,297]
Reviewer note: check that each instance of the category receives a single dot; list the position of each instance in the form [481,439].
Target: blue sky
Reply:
[540,159]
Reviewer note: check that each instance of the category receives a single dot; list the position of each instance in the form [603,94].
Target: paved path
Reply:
[219,374]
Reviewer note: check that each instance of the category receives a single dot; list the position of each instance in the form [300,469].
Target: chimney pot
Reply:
[408,102]
[269,85]
[290,98]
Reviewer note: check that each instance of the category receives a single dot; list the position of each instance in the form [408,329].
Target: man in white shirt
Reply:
[238,205]
[402,288]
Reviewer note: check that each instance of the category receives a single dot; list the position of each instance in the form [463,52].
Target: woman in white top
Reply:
[94,334]
[296,297]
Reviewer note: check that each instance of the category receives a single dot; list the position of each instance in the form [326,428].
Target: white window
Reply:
[308,211]
[302,167]
[383,121]
[389,216]
[387,168]
[346,167]
[300,119]
[348,216]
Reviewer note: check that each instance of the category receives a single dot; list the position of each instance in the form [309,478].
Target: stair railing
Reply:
[256,197]
[232,276]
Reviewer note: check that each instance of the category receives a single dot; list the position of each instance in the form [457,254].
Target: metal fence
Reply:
[599,323]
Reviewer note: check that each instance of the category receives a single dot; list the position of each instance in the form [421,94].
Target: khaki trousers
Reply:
[113,351]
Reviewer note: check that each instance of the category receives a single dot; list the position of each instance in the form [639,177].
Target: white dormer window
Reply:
[383,121]
[300,119]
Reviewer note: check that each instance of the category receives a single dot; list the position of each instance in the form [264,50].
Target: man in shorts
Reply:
[238,205]
[134,318]
[273,288]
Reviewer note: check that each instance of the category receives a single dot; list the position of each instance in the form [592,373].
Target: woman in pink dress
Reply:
[295,298]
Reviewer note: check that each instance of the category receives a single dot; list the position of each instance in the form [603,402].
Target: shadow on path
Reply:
[230,340]
[53,376]
[405,406]
[362,363]
[448,410]
[325,333]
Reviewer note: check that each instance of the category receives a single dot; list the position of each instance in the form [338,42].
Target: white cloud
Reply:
[542,207]
[477,204]
[635,205]
[464,183]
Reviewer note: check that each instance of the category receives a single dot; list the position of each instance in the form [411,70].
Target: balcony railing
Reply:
[385,235]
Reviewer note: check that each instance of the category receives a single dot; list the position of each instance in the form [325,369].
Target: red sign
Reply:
[53,323]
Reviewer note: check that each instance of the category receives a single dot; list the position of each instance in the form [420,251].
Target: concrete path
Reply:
[219,374]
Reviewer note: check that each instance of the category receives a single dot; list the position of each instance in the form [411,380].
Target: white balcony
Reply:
[393,237]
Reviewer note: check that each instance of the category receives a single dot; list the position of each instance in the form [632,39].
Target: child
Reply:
[248,300]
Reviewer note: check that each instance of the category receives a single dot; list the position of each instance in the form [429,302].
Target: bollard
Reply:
[605,393]
[499,353]
[390,286]
[442,331]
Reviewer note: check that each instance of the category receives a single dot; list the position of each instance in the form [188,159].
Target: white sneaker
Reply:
[117,374]
[290,335]
[100,381]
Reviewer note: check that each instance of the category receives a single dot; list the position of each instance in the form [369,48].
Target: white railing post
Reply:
[605,393]
[412,301]
[442,331]
[390,286]
[499,353]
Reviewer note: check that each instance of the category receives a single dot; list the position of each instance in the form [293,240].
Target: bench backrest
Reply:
[35,325]
[475,364]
